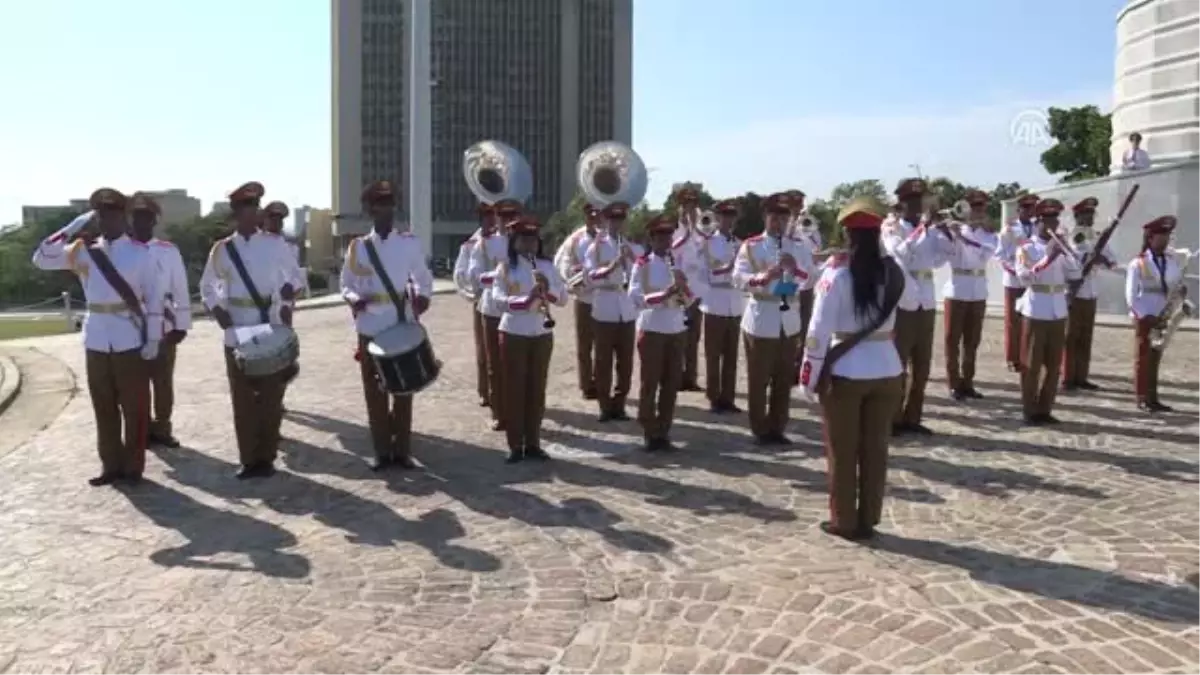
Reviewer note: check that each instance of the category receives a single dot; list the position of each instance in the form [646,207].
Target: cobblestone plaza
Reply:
[1003,548]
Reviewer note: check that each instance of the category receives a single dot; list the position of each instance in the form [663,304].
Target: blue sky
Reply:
[772,94]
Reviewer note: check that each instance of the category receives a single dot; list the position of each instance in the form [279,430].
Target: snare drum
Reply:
[404,359]
[265,349]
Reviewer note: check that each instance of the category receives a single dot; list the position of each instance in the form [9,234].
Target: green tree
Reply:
[195,239]
[706,199]
[750,220]
[841,194]
[1082,138]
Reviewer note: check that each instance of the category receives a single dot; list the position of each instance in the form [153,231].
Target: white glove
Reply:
[150,350]
[80,222]
[809,372]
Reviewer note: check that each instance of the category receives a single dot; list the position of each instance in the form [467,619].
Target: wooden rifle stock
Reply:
[1098,250]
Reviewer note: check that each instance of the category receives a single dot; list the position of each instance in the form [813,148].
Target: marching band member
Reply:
[771,332]
[568,260]
[1081,319]
[607,264]
[266,264]
[1018,233]
[526,285]
[919,250]
[177,314]
[1149,279]
[865,385]
[121,332]
[468,288]
[374,312]
[484,259]
[965,294]
[685,246]
[273,215]
[812,239]
[659,289]
[721,305]
[1044,266]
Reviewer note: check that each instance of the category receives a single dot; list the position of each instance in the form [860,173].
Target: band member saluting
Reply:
[660,290]
[851,363]
[1081,319]
[965,295]
[1150,279]
[243,284]
[526,285]
[918,250]
[484,260]
[568,260]
[469,289]
[177,313]
[770,267]
[121,332]
[607,263]
[722,306]
[379,265]
[1044,265]
[686,244]
[1018,233]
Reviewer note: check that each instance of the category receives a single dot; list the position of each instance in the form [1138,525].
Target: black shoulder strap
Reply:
[893,290]
[264,307]
[120,285]
[397,299]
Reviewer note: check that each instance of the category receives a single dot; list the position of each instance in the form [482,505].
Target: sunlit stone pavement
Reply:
[1003,549]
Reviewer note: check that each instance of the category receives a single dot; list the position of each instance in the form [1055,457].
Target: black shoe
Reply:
[717,408]
[828,528]
[691,386]
[1034,420]
[764,439]
[972,392]
[1014,368]
[1088,386]
[166,440]
[590,395]
[484,403]
[777,438]
[255,471]
[864,532]
[1050,419]
[665,445]
[1161,407]
[619,414]
[958,394]
[650,445]
[404,461]
[900,429]
[606,416]
[514,456]
[921,429]
[732,407]
[130,478]
[104,479]
[535,452]
[497,425]
[1068,388]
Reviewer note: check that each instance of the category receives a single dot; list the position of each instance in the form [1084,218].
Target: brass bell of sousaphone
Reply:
[610,173]
[495,172]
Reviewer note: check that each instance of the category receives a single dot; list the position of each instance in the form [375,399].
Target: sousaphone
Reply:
[610,173]
[495,172]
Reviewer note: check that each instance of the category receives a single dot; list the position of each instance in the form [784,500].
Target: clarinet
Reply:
[783,303]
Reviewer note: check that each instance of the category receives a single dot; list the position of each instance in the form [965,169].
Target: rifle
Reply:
[1089,260]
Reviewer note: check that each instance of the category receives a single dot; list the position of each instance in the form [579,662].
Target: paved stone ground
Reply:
[1002,549]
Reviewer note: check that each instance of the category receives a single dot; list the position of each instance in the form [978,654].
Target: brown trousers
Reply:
[1145,374]
[721,356]
[585,343]
[964,332]
[481,369]
[495,366]
[662,373]
[770,374]
[390,420]
[614,342]
[527,367]
[119,385]
[1013,322]
[257,412]
[806,308]
[692,355]
[914,341]
[162,385]
[857,419]
[1077,351]
[1042,347]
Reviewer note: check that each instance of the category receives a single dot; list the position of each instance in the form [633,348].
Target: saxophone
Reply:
[1178,308]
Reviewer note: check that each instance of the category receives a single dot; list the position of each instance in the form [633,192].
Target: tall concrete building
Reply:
[1157,88]
[177,206]
[548,77]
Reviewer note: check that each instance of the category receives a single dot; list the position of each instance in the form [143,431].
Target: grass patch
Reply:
[14,329]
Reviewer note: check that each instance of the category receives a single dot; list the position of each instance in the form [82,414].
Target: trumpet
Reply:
[783,303]
[541,282]
[683,292]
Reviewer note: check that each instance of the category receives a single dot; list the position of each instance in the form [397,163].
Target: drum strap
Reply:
[264,307]
[397,299]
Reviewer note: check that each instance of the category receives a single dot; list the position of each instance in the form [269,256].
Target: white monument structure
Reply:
[1156,92]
